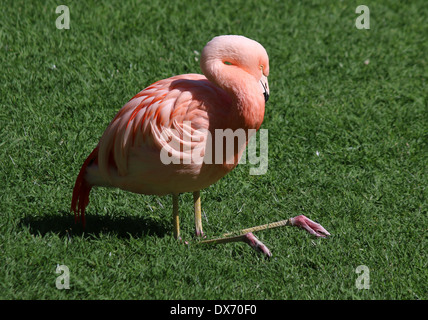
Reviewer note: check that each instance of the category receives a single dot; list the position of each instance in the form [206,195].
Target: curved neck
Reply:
[248,105]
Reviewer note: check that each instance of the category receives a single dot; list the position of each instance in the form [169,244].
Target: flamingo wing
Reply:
[173,115]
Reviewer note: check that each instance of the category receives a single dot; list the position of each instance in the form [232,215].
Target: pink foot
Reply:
[200,234]
[256,244]
[310,226]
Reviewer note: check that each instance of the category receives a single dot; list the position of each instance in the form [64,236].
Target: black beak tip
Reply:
[266,96]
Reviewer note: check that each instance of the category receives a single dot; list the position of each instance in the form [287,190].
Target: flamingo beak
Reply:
[265,87]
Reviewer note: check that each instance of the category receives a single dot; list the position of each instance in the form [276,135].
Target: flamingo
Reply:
[230,95]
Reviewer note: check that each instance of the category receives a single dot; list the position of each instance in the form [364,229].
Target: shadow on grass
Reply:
[122,226]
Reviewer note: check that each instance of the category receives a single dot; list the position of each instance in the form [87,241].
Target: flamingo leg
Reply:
[198,221]
[310,226]
[299,221]
[175,217]
[247,236]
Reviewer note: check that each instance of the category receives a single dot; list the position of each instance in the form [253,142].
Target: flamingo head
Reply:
[236,52]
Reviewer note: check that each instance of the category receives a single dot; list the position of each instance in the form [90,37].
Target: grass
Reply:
[348,129]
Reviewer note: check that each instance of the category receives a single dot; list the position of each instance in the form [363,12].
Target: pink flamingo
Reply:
[231,95]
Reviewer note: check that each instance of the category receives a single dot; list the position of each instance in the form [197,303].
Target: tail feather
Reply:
[82,188]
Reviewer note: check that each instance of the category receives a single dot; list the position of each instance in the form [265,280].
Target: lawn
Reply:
[348,130]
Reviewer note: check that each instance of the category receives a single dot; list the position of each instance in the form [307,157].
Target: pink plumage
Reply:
[230,95]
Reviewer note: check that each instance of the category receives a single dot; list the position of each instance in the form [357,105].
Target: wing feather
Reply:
[165,105]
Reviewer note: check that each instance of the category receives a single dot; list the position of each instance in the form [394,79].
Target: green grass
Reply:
[367,185]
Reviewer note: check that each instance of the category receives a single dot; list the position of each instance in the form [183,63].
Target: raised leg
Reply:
[246,235]
[198,221]
[248,238]
[299,221]
[175,218]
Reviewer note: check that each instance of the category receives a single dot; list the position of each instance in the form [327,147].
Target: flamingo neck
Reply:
[248,106]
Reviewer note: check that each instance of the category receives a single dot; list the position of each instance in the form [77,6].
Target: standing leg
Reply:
[175,218]
[198,221]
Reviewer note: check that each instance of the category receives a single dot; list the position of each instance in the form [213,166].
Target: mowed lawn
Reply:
[348,128]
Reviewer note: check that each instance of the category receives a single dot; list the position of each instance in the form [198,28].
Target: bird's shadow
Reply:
[121,226]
